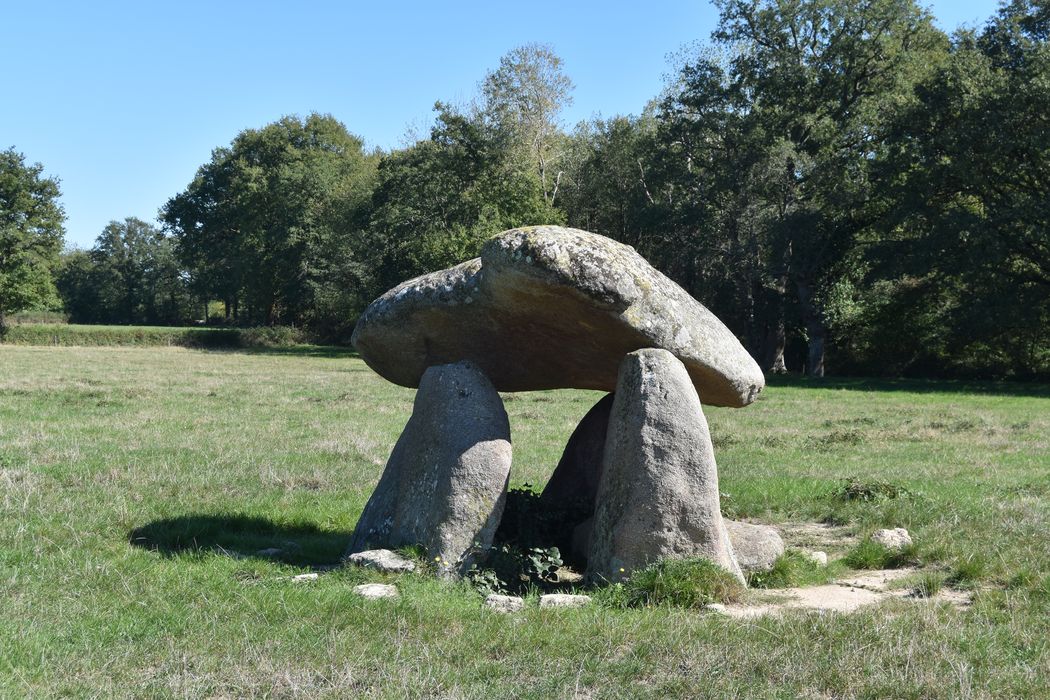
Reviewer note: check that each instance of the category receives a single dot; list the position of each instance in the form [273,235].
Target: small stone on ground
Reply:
[563,600]
[818,558]
[892,538]
[305,577]
[504,603]
[376,590]
[382,560]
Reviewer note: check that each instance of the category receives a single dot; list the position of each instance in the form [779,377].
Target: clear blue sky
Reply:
[124,100]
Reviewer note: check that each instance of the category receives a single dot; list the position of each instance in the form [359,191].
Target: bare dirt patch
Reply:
[843,596]
[817,536]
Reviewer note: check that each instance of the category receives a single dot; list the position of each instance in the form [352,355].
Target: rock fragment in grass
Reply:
[818,558]
[382,560]
[444,486]
[547,307]
[892,538]
[374,591]
[658,496]
[504,603]
[564,600]
[303,578]
[756,547]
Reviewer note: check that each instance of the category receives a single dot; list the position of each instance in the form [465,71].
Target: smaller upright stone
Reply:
[504,603]
[892,538]
[374,591]
[382,560]
[756,547]
[571,491]
[445,484]
[564,600]
[575,480]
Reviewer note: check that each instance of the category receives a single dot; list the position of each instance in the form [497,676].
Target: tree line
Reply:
[844,184]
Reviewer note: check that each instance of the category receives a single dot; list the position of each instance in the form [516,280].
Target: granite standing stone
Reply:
[658,496]
[444,486]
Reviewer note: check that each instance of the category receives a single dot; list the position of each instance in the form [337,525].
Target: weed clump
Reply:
[928,585]
[854,489]
[791,569]
[872,555]
[967,573]
[683,583]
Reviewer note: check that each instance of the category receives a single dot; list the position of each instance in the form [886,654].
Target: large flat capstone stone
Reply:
[547,307]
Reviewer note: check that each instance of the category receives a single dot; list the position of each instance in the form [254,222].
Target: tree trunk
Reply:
[3,323]
[776,339]
[815,328]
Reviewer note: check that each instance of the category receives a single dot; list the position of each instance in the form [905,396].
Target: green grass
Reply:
[138,486]
[680,583]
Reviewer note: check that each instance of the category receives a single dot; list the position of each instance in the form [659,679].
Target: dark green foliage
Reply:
[145,336]
[514,570]
[438,200]
[792,568]
[930,582]
[872,555]
[528,522]
[842,183]
[683,583]
[130,276]
[31,232]
[527,548]
[968,572]
[855,489]
[272,225]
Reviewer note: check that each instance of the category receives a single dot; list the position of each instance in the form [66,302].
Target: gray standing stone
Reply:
[658,496]
[445,483]
[756,547]
[575,480]
[547,307]
[571,491]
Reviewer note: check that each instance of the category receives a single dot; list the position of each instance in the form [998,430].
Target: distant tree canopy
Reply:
[847,187]
[31,234]
[270,226]
[130,276]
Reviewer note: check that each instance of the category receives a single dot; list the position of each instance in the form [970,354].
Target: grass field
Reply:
[70,334]
[211,456]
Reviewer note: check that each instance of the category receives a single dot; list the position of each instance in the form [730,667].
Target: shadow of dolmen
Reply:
[243,537]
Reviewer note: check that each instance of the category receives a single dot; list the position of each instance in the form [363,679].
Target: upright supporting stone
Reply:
[571,491]
[658,496]
[445,484]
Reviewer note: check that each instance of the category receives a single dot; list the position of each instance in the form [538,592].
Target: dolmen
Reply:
[548,307]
